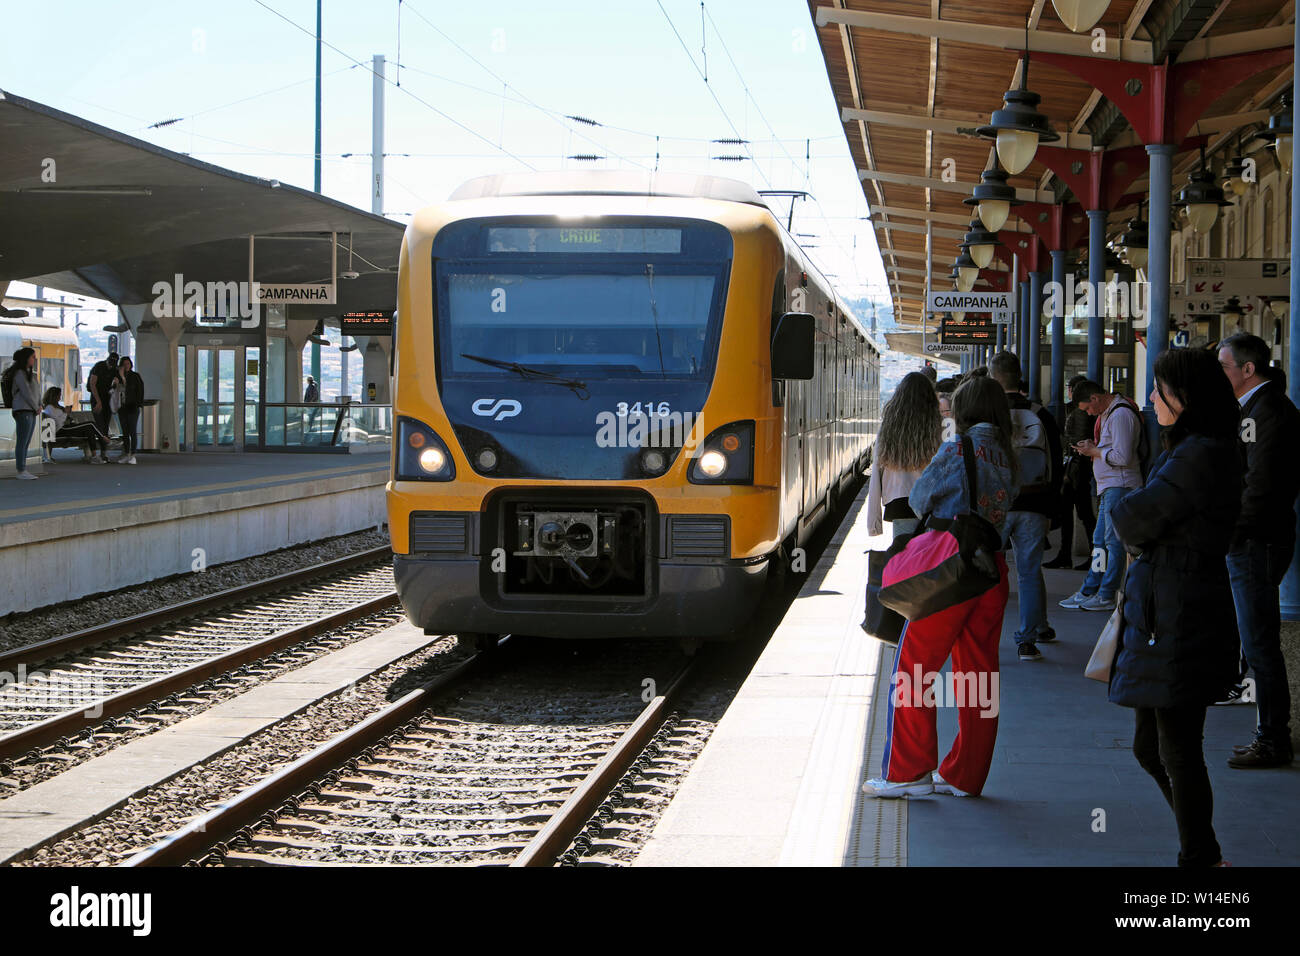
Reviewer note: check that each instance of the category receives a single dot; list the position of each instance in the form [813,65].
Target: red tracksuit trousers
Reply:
[969,633]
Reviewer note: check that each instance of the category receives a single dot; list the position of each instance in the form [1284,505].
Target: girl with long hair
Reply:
[911,430]
[67,429]
[128,410]
[1179,646]
[968,632]
[20,389]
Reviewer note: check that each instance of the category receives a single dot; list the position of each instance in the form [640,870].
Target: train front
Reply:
[556,470]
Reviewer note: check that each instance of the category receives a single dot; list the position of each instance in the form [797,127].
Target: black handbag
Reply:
[883,623]
[948,561]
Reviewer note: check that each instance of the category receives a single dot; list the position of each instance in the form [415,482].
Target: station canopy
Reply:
[913,79]
[92,211]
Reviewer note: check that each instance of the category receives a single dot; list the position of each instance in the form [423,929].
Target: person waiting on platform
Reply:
[911,431]
[1178,650]
[130,397]
[312,392]
[100,385]
[1117,469]
[68,430]
[944,389]
[1076,488]
[19,382]
[1264,540]
[969,632]
[1037,442]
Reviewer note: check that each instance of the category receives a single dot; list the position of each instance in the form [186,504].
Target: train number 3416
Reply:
[662,409]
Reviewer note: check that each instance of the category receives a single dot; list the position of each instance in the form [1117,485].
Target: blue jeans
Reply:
[1255,571]
[1025,533]
[903,526]
[1105,538]
[25,427]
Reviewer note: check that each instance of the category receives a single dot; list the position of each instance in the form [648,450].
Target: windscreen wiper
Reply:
[536,374]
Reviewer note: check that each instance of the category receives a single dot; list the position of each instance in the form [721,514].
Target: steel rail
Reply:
[550,841]
[49,730]
[200,835]
[30,654]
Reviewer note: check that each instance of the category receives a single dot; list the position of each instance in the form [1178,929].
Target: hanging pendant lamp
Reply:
[1018,127]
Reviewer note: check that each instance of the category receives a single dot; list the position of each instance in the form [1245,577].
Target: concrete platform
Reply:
[95,788]
[84,529]
[778,782]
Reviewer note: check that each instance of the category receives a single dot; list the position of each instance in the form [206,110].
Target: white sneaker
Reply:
[1075,600]
[889,789]
[26,476]
[1098,603]
[943,786]
[131,460]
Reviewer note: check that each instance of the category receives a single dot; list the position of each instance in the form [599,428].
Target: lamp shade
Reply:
[1080,15]
[1136,256]
[1282,147]
[1201,198]
[993,199]
[1018,127]
[980,243]
[994,213]
[1234,181]
[1202,215]
[1279,134]
[1017,148]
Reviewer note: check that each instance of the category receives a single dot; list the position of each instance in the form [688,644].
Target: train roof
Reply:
[601,182]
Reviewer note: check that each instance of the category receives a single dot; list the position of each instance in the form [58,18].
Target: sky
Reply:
[472,89]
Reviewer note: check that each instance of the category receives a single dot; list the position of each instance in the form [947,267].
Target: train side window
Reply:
[74,368]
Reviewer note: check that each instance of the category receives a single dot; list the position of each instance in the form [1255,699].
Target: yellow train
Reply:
[57,353]
[619,399]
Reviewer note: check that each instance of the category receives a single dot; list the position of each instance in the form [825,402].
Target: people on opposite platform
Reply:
[129,387]
[87,433]
[20,384]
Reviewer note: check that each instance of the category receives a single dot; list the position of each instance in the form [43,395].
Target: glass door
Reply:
[216,399]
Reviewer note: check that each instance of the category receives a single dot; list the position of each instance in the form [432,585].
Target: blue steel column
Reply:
[1056,396]
[1291,584]
[1157,274]
[1035,330]
[1096,278]
[1022,335]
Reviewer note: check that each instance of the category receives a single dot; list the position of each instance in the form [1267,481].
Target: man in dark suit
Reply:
[1264,538]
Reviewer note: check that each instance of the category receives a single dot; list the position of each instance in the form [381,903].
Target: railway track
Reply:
[94,676]
[460,783]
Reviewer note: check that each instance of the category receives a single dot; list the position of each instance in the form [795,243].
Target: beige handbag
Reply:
[1103,654]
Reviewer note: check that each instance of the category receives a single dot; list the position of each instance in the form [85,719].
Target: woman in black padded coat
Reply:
[1179,649]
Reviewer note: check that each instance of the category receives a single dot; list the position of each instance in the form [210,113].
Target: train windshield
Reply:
[626,301]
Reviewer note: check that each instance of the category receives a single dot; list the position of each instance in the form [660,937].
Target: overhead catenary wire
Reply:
[419,99]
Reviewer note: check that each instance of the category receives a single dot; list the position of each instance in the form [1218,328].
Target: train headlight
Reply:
[713,463]
[726,456]
[432,461]
[486,460]
[421,454]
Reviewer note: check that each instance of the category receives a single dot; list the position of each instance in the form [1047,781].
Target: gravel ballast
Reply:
[56,620]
